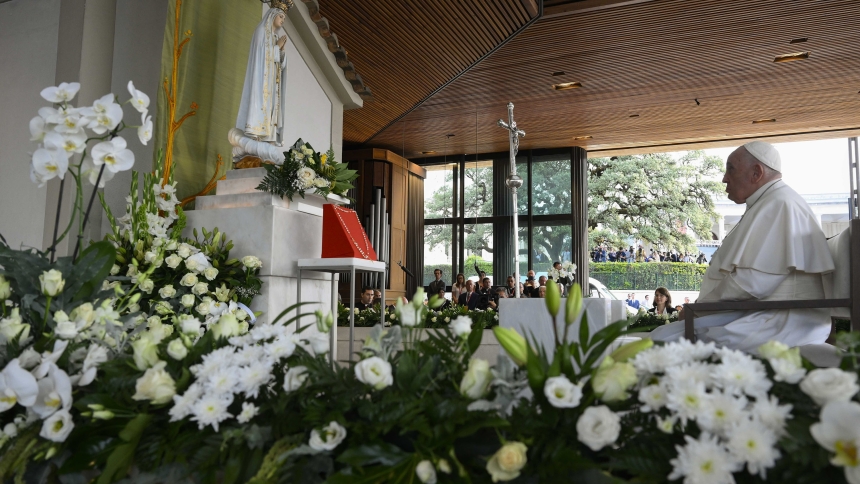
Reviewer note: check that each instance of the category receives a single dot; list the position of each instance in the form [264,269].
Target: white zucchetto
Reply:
[765,153]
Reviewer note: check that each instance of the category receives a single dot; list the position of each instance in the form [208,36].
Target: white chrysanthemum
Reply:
[222,381]
[739,373]
[693,371]
[249,411]
[773,415]
[667,425]
[754,444]
[282,347]
[183,404]
[687,399]
[247,355]
[211,410]
[252,377]
[213,362]
[653,396]
[694,351]
[656,359]
[721,412]
[704,461]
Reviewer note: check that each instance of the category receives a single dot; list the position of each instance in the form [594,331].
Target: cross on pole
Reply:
[514,181]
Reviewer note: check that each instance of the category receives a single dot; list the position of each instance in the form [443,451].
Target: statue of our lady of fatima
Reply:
[258,135]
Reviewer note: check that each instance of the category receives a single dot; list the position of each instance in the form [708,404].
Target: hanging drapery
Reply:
[209,77]
[415,233]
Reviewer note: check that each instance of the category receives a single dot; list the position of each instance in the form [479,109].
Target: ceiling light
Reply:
[798,40]
[566,85]
[581,138]
[558,73]
[427,152]
[791,57]
[760,121]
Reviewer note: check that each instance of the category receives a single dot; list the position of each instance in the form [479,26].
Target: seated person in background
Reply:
[530,287]
[485,288]
[509,286]
[501,293]
[470,297]
[377,296]
[662,303]
[446,304]
[366,301]
[542,292]
[542,281]
[437,284]
[777,251]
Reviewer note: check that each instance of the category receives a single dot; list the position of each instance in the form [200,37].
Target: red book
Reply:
[343,235]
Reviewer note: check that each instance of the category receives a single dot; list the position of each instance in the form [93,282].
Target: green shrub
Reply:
[675,276]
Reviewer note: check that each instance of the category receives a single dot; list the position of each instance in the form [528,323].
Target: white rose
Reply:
[830,385]
[145,351]
[150,256]
[156,385]
[330,437]
[58,426]
[173,261]
[306,176]
[295,378]
[374,371]
[252,262]
[167,291]
[598,427]
[172,245]
[210,273]
[613,379]
[184,250]
[187,300]
[426,472]
[320,182]
[176,349]
[462,326]
[203,308]
[188,280]
[66,330]
[561,393]
[189,325]
[51,282]
[83,314]
[147,285]
[13,327]
[477,379]
[200,288]
[226,326]
[507,462]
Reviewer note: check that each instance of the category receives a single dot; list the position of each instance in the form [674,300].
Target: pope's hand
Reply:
[282,41]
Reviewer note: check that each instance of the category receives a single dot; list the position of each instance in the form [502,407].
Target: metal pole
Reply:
[351,309]
[299,300]
[334,313]
[382,302]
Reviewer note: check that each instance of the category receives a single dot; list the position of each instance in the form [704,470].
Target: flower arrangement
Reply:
[306,170]
[645,321]
[434,318]
[567,271]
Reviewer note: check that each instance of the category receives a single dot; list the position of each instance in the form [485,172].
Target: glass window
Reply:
[439,191]
[552,243]
[479,189]
[524,251]
[551,189]
[437,252]
[479,250]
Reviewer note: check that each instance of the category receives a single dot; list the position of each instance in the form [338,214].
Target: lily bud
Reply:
[629,350]
[51,453]
[103,415]
[574,304]
[513,343]
[553,298]
[96,407]
[324,322]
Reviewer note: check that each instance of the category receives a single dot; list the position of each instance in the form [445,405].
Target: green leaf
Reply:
[367,455]
[92,267]
[583,331]
[120,460]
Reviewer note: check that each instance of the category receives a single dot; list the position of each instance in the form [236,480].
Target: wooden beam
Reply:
[587,6]
[531,7]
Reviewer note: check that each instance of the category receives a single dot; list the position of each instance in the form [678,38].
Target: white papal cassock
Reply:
[777,252]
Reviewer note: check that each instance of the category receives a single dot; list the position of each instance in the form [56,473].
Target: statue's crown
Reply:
[285,5]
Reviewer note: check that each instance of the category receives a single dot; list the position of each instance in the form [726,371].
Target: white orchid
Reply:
[65,92]
[105,114]
[91,172]
[139,100]
[69,143]
[96,355]
[49,358]
[17,385]
[839,432]
[113,154]
[55,392]
[48,164]
[38,128]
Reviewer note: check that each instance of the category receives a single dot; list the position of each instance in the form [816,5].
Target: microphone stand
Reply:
[405,270]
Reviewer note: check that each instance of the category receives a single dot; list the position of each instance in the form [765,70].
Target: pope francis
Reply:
[777,252]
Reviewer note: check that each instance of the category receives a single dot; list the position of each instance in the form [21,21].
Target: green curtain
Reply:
[211,72]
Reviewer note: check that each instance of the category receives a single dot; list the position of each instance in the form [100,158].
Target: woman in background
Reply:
[662,303]
[459,287]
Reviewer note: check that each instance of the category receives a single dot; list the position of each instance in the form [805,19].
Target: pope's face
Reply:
[279,21]
[739,177]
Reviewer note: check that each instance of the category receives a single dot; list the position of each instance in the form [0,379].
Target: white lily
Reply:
[839,432]
[55,392]
[65,92]
[139,100]
[16,386]
[144,132]
[113,154]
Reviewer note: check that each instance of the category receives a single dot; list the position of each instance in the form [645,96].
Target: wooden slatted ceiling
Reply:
[654,60]
[405,49]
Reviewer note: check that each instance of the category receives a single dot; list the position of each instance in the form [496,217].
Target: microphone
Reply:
[405,269]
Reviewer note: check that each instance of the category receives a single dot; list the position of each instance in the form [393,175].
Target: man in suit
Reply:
[470,297]
[437,285]
[366,301]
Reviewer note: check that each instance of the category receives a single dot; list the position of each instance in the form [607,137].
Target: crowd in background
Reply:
[604,254]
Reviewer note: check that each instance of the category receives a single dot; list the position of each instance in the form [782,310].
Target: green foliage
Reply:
[675,276]
[326,175]
[653,197]
[433,319]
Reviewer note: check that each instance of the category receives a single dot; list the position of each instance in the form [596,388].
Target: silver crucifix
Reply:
[514,181]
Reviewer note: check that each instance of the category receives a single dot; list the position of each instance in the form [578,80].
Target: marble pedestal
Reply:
[279,232]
